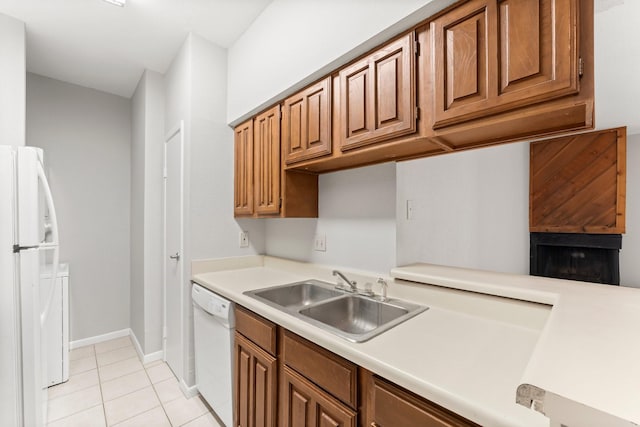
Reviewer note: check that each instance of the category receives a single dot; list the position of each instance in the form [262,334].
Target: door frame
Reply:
[177,129]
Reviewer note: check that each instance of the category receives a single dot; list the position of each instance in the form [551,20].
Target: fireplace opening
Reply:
[585,257]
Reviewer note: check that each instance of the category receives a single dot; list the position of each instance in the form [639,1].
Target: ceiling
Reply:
[95,44]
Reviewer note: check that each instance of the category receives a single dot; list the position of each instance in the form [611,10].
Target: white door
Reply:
[173,246]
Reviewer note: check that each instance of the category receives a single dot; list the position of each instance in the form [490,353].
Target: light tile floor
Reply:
[108,386]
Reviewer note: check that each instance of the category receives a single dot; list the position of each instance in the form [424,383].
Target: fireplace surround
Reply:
[575,256]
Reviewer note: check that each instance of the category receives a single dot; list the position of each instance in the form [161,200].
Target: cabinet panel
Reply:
[243,169]
[377,99]
[267,162]
[578,183]
[306,123]
[243,387]
[394,407]
[494,56]
[331,372]
[306,405]
[466,59]
[256,384]
[255,327]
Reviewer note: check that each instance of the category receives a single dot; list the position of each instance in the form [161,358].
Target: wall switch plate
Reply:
[410,210]
[244,239]
[320,243]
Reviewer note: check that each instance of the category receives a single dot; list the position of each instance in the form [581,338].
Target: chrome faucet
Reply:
[384,285]
[352,283]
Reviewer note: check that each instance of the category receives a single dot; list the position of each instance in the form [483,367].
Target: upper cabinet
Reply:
[261,187]
[243,169]
[480,73]
[266,157]
[306,123]
[378,95]
[493,56]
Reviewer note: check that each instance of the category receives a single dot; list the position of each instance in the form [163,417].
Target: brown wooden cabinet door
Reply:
[306,123]
[496,55]
[243,169]
[394,407]
[306,405]
[377,95]
[266,149]
[256,385]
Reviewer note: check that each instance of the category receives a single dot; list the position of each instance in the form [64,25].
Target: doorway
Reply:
[173,333]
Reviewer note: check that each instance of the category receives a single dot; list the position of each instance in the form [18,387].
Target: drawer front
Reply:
[306,405]
[394,407]
[257,329]
[329,371]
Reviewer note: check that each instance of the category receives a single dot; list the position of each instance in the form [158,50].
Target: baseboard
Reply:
[145,358]
[99,338]
[152,357]
[188,392]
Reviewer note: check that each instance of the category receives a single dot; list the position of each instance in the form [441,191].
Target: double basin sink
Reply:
[352,316]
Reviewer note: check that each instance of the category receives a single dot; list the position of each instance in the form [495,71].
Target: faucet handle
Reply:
[384,287]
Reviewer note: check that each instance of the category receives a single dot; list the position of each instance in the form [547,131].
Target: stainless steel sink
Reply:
[358,318]
[296,295]
[354,317]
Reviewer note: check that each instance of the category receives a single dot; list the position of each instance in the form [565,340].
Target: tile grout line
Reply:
[104,409]
[153,386]
[82,410]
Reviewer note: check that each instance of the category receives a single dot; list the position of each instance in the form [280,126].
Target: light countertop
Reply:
[571,347]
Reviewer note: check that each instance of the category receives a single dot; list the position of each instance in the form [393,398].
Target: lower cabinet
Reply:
[284,380]
[388,405]
[306,405]
[256,385]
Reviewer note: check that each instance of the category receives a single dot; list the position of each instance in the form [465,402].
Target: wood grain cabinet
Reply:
[266,154]
[493,56]
[243,169]
[257,165]
[255,371]
[391,406]
[283,379]
[307,405]
[306,123]
[256,385]
[262,188]
[378,95]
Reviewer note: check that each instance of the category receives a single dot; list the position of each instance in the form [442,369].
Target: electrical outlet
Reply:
[244,239]
[320,243]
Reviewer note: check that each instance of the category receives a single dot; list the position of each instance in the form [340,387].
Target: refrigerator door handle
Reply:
[53,244]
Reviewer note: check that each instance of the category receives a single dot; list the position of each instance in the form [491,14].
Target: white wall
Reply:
[136,291]
[630,253]
[356,215]
[12,81]
[147,147]
[195,91]
[86,137]
[471,209]
[293,43]
[617,64]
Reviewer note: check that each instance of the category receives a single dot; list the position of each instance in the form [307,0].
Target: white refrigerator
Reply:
[28,241]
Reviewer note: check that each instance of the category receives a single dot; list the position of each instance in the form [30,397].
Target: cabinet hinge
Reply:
[417,113]
[280,205]
[164,172]
[416,47]
[580,67]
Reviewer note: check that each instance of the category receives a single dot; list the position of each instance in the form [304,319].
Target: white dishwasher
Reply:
[213,324]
